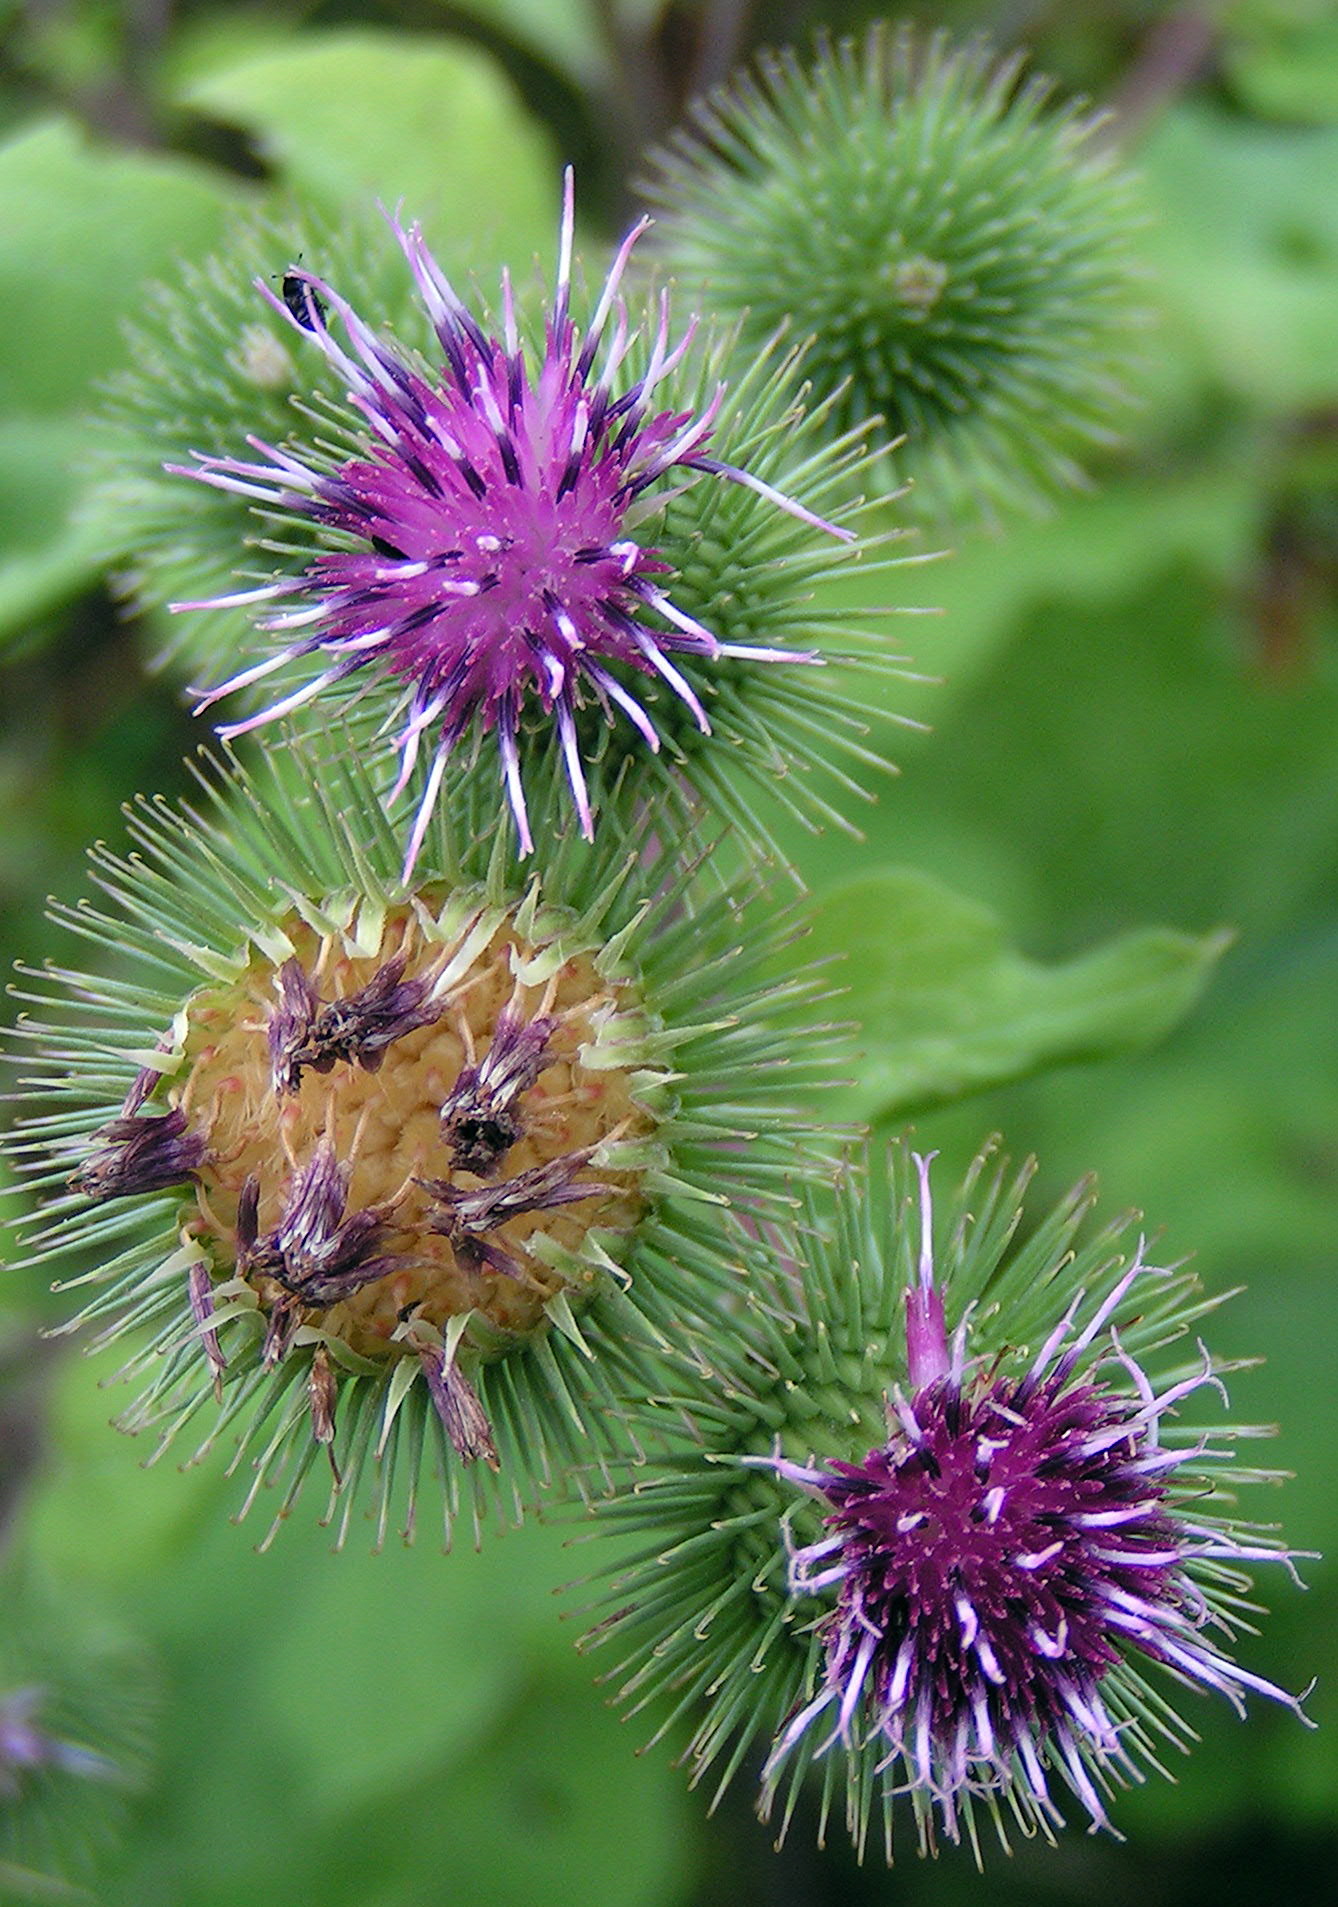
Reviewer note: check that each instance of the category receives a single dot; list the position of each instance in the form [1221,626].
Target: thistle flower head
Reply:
[77,1701]
[356,1158]
[970,1600]
[493,563]
[954,255]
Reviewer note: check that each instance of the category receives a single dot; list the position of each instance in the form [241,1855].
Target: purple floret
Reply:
[479,1117]
[319,1256]
[142,1152]
[359,1028]
[468,1216]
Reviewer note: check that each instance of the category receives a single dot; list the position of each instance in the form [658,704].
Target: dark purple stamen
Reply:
[467,1216]
[200,1293]
[317,1255]
[463,1417]
[322,1396]
[358,1028]
[142,1153]
[479,1120]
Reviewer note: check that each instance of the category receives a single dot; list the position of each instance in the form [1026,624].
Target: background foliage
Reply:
[1134,758]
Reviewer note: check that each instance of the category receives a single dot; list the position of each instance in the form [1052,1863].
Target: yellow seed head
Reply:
[386,1129]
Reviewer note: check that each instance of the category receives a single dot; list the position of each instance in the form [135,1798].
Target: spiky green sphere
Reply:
[413,1173]
[953,250]
[942,1534]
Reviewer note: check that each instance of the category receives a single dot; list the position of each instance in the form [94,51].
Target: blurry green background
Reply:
[1136,723]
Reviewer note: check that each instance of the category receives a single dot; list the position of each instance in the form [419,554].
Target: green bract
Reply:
[422,1173]
[211,363]
[952,256]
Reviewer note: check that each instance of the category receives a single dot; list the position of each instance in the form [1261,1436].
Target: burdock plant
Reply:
[475,1138]
[949,251]
[944,1532]
[403,1171]
[524,538]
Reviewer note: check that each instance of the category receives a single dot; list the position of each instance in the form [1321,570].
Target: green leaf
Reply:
[567,35]
[946,1007]
[359,116]
[1286,67]
[552,1805]
[1091,549]
[1246,249]
[47,554]
[100,1516]
[471,1610]
[84,227]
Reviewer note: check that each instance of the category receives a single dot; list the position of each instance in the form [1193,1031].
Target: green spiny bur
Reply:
[950,253]
[151,1075]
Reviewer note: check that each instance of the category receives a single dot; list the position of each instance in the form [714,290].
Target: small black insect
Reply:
[301,299]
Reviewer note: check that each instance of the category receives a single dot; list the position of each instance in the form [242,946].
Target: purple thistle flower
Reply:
[142,1153]
[1013,1541]
[494,512]
[24,1745]
[357,1029]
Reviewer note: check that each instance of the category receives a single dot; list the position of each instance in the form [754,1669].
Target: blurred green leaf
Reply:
[215,39]
[566,34]
[1283,60]
[46,553]
[1091,549]
[946,1007]
[1129,760]
[356,116]
[85,225]
[553,1805]
[101,1516]
[412,1715]
[1245,245]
